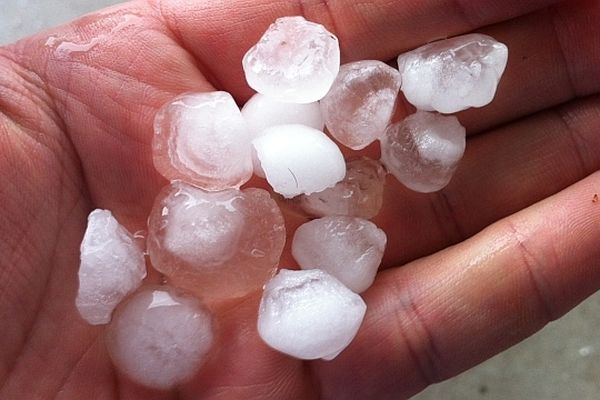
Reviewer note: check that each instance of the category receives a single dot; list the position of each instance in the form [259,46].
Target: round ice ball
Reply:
[297,159]
[295,61]
[309,314]
[159,338]
[424,150]
[348,248]
[262,112]
[202,139]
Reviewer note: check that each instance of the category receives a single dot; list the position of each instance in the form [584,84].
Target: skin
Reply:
[511,244]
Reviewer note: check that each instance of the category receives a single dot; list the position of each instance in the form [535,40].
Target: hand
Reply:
[510,245]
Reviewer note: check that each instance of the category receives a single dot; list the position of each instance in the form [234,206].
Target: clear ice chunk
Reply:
[348,248]
[202,138]
[217,245]
[359,194]
[112,267]
[453,74]
[298,160]
[295,61]
[309,314]
[160,337]
[423,151]
[361,102]
[262,112]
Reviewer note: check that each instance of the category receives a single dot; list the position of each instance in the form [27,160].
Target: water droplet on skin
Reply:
[65,48]
[257,253]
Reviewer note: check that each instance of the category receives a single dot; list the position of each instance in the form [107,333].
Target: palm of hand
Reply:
[75,135]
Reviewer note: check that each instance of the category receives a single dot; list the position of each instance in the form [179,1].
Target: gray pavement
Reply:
[20,18]
[562,362]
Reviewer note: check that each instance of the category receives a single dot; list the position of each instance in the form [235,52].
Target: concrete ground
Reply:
[562,362]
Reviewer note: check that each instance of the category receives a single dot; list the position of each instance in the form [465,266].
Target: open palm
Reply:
[511,244]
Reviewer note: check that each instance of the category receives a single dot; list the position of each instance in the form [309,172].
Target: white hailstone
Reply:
[361,102]
[202,138]
[348,248]
[297,159]
[262,112]
[295,61]
[360,194]
[423,151]
[112,267]
[309,314]
[453,74]
[159,338]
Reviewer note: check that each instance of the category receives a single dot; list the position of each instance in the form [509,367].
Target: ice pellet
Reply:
[160,337]
[309,314]
[423,151]
[202,138]
[217,245]
[295,61]
[262,112]
[112,267]
[361,102]
[297,159]
[359,194]
[453,74]
[348,248]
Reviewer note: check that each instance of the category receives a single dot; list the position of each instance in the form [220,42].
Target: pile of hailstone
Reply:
[214,241]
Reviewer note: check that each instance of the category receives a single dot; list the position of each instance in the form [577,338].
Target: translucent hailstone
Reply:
[361,102]
[453,74]
[359,194]
[309,314]
[348,248]
[216,244]
[295,61]
[298,160]
[112,267]
[423,151]
[202,138]
[159,338]
[262,112]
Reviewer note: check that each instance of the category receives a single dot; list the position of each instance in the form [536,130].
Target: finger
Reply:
[549,63]
[503,171]
[440,315]
[377,29]
[242,366]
